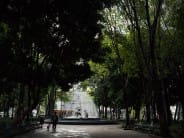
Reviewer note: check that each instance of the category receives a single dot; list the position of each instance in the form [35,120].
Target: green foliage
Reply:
[99,69]
[3,32]
[146,45]
[46,44]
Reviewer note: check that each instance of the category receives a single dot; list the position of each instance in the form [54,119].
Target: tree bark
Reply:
[148,118]
[105,112]
[99,111]
[29,103]
[175,114]
[154,116]
[20,108]
[182,110]
[127,112]
[162,112]
[110,113]
[160,92]
[119,113]
[137,113]
[51,100]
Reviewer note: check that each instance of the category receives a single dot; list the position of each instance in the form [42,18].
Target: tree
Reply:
[149,28]
[48,45]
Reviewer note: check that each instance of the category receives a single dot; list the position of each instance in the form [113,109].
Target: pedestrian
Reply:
[54,121]
[86,114]
[41,121]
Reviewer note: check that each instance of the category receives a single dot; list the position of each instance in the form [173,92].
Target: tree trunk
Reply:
[179,110]
[12,115]
[127,112]
[148,119]
[48,104]
[20,108]
[29,103]
[105,112]
[113,112]
[110,113]
[38,110]
[99,111]
[154,116]
[175,114]
[51,100]
[163,118]
[116,113]
[182,111]
[127,117]
[137,113]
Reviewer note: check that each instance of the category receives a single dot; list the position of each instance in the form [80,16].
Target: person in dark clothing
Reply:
[54,121]
[41,121]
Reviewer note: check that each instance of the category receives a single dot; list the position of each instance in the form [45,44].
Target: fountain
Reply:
[81,105]
[80,109]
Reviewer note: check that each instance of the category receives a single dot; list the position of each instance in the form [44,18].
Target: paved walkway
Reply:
[85,131]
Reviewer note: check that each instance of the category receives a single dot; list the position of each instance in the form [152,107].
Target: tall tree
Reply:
[48,42]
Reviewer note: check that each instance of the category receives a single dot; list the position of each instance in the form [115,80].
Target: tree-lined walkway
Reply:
[85,131]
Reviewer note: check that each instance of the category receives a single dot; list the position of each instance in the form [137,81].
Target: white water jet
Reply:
[81,105]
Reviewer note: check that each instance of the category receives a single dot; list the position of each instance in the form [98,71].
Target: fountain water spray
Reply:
[81,105]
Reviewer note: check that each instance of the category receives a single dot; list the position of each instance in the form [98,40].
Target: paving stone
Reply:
[85,131]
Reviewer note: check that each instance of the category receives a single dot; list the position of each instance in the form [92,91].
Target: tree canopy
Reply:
[44,44]
[131,49]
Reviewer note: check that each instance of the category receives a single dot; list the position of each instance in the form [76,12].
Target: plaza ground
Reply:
[85,131]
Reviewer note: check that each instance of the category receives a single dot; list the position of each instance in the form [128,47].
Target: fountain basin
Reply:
[85,121]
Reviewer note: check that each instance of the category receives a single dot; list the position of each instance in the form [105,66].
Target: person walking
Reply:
[54,121]
[41,121]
